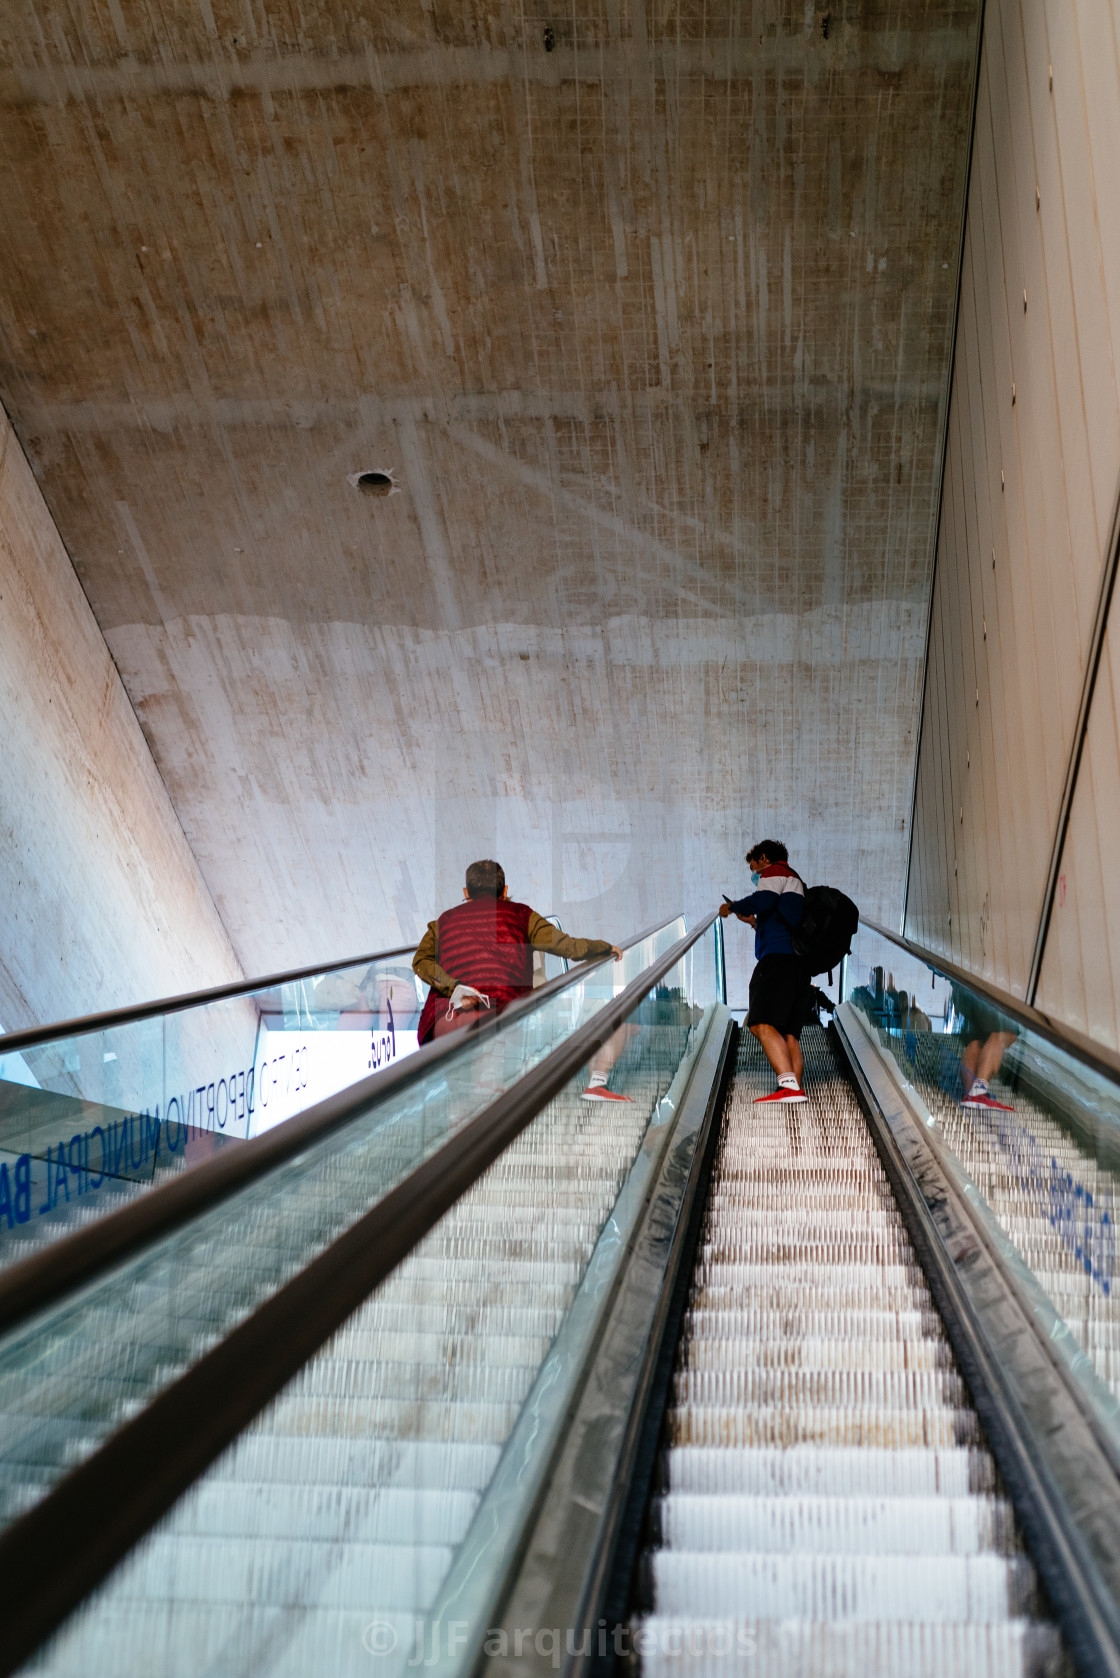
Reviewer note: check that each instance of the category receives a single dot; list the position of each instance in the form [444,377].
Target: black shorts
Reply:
[780,995]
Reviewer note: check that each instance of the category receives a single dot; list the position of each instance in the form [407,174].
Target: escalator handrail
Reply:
[55,1554]
[46,1276]
[1095,1055]
[12,1041]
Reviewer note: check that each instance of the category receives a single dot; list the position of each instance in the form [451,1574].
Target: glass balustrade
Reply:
[364,1522]
[1031,1134]
[88,1119]
[68,1377]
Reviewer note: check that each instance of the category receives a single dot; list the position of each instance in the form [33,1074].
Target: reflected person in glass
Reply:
[988,1035]
[479,955]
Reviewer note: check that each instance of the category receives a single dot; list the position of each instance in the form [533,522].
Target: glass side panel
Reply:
[70,1375]
[86,1121]
[1035,1133]
[364,1522]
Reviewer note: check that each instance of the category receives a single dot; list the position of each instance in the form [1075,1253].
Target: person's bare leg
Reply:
[776,1049]
[990,1054]
[603,1059]
[797,1060]
[969,1061]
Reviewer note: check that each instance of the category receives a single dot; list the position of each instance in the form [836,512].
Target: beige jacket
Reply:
[542,936]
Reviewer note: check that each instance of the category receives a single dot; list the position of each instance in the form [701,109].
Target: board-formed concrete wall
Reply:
[650,332]
[103,902]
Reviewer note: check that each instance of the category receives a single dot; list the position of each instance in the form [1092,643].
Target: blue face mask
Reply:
[754,878]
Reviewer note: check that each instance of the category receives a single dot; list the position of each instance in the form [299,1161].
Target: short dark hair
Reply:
[486,879]
[772,848]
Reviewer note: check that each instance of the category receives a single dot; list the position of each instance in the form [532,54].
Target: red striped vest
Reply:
[483,942]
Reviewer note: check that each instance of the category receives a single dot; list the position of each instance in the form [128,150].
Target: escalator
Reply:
[828,1502]
[458,1371]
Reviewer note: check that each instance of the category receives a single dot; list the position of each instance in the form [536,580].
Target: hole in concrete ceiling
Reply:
[375,481]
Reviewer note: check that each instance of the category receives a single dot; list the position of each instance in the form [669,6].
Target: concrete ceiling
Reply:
[646,310]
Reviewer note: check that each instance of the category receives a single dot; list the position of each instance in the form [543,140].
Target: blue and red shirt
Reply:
[777,905]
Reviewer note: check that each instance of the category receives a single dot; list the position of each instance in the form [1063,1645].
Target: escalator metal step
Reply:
[876,1525]
[800,1648]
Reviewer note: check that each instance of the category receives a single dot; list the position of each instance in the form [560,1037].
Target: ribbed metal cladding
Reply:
[826,1505]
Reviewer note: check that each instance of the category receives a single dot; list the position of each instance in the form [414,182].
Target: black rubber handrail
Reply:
[53,1556]
[45,1276]
[1094,1055]
[11,1041]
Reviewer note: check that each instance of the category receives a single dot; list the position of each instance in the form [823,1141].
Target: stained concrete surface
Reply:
[651,331]
[102,901]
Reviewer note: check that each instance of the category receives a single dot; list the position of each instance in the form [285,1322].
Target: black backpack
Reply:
[828,925]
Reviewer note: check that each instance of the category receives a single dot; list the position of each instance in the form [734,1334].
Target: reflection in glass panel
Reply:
[1036,1131]
[392,1475]
[87,1121]
[68,1377]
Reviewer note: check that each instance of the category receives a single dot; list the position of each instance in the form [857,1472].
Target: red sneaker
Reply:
[781,1094]
[600,1092]
[983,1099]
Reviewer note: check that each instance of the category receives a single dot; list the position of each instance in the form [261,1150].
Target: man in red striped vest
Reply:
[481,954]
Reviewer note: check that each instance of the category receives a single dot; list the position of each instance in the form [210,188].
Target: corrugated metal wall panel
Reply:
[1032,464]
[1080,976]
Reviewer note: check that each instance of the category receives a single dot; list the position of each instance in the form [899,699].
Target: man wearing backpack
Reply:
[781,991]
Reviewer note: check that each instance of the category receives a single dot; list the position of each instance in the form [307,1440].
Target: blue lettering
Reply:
[250,1078]
[23,1188]
[211,1105]
[97,1131]
[61,1176]
[172,1147]
[5,1196]
[221,1104]
[46,1206]
[76,1142]
[241,1095]
[134,1124]
[151,1135]
[1108,1252]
